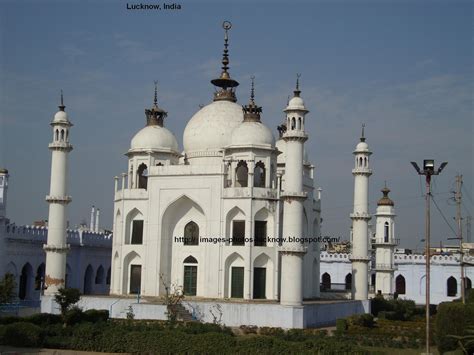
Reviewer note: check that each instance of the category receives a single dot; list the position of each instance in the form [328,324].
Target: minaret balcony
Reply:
[362,171]
[59,199]
[385,267]
[360,215]
[295,134]
[382,242]
[65,146]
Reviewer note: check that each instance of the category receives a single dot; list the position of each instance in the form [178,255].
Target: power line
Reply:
[442,215]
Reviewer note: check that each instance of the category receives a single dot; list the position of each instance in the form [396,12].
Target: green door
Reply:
[259,279]
[190,280]
[237,282]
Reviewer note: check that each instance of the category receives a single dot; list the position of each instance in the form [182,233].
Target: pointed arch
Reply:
[132,273]
[26,282]
[234,276]
[259,174]
[386,232]
[293,123]
[118,228]
[56,135]
[88,275]
[348,281]
[142,176]
[62,135]
[99,275]
[235,226]
[134,224]
[178,213]
[190,260]
[241,174]
[262,277]
[39,278]
[191,233]
[400,285]
[326,281]
[263,226]
[451,287]
[190,272]
[116,274]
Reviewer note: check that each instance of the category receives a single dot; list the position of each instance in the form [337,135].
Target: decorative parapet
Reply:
[335,257]
[293,249]
[62,146]
[293,195]
[361,171]
[59,199]
[364,259]
[360,215]
[382,242]
[57,248]
[435,259]
[385,267]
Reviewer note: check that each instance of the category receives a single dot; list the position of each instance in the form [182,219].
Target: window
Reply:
[241,174]
[237,282]
[452,285]
[400,286]
[191,234]
[260,233]
[142,173]
[326,281]
[190,276]
[348,281]
[259,282]
[238,232]
[259,175]
[135,279]
[99,276]
[137,232]
[386,232]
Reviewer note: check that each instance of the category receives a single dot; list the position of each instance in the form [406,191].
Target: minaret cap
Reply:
[225,82]
[252,111]
[155,115]
[385,200]
[62,106]
[362,137]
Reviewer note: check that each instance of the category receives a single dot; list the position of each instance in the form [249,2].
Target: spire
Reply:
[155,115]
[225,82]
[362,138]
[252,111]
[385,200]
[61,106]
[297,91]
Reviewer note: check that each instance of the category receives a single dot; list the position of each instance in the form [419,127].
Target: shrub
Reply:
[22,334]
[295,335]
[43,319]
[270,331]
[73,316]
[7,288]
[9,319]
[341,326]
[452,319]
[362,320]
[96,315]
[66,298]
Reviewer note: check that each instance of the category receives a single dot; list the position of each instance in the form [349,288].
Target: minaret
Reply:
[57,248]
[385,244]
[360,219]
[292,252]
[3,217]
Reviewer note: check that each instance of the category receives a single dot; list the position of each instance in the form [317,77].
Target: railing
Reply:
[335,287]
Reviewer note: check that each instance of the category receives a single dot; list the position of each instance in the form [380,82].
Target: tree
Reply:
[66,297]
[7,288]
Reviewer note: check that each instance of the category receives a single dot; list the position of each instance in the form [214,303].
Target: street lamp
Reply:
[428,171]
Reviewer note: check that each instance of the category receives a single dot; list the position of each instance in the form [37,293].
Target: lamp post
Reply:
[428,171]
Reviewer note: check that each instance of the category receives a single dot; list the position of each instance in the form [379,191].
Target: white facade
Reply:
[232,182]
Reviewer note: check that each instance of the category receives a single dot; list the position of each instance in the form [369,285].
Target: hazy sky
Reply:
[405,68]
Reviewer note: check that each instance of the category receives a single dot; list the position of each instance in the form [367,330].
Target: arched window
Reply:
[293,123]
[190,276]
[348,281]
[62,135]
[99,276]
[259,175]
[365,162]
[241,174]
[386,231]
[360,162]
[467,283]
[88,280]
[299,123]
[400,285]
[326,281]
[67,135]
[26,279]
[142,173]
[39,278]
[191,234]
[57,135]
[452,286]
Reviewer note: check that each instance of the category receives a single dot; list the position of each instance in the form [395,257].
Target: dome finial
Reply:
[252,111]
[297,91]
[61,106]
[156,115]
[362,138]
[224,81]
[385,200]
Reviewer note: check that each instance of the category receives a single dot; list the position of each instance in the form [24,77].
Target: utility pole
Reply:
[468,229]
[428,171]
[458,198]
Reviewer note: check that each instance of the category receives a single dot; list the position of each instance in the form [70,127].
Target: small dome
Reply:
[154,138]
[385,200]
[296,103]
[362,147]
[252,133]
[211,127]
[3,171]
[60,117]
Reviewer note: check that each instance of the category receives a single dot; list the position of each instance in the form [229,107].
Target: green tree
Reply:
[67,297]
[7,288]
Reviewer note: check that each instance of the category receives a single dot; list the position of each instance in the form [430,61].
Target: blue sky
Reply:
[404,68]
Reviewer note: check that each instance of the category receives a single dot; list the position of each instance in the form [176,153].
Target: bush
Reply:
[400,309]
[43,319]
[96,315]
[9,319]
[341,326]
[271,331]
[295,335]
[452,319]
[362,320]
[7,288]
[22,334]
[73,316]
[66,298]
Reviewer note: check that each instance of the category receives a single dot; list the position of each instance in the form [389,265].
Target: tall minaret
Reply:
[385,244]
[3,217]
[57,248]
[292,253]
[360,219]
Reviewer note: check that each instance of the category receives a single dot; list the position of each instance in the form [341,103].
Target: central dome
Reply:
[210,129]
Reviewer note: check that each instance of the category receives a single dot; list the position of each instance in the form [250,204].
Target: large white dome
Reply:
[211,127]
[154,138]
[252,133]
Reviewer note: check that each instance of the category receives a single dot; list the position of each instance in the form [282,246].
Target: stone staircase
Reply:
[182,313]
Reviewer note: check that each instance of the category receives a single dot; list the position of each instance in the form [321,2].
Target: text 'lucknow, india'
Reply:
[159,7]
